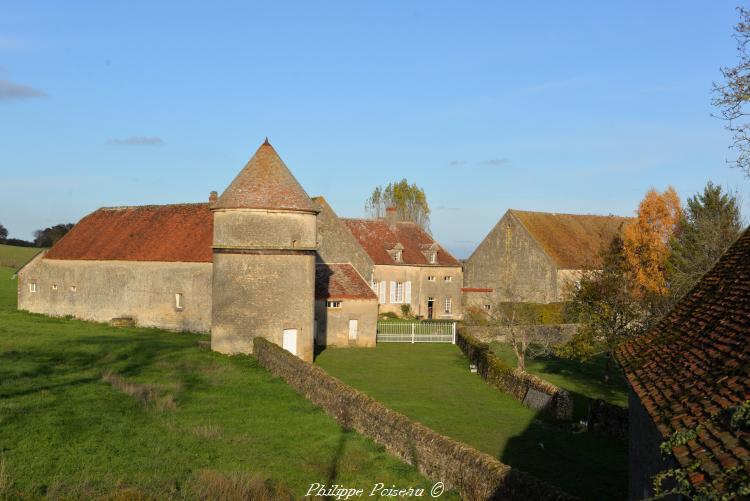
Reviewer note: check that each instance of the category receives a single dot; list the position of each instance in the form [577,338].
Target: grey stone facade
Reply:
[511,263]
[102,290]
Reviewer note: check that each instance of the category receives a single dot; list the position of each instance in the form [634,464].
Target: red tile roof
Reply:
[265,183]
[182,232]
[573,241]
[340,281]
[378,236]
[696,362]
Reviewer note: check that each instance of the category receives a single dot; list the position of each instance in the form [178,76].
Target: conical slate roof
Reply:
[265,183]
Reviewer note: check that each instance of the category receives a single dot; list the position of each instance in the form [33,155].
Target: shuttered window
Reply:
[381,291]
[407,292]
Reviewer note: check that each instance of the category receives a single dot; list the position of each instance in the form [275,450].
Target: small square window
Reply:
[448,279]
[32,286]
[333,304]
[488,307]
[54,287]
[178,301]
[73,288]
[430,278]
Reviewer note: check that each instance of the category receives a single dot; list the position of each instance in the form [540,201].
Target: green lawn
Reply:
[173,421]
[584,380]
[13,256]
[431,383]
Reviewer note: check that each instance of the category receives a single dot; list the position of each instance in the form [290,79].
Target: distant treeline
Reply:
[42,238]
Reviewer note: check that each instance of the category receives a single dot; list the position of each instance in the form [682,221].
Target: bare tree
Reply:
[732,96]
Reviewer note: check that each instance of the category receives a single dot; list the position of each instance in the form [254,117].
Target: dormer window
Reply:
[433,257]
[397,253]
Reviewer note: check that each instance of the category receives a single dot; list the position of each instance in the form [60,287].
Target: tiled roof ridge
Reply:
[569,214]
[152,206]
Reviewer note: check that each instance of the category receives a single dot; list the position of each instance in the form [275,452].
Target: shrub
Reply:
[406,310]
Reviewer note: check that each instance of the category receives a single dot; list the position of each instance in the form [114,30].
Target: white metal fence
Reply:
[416,332]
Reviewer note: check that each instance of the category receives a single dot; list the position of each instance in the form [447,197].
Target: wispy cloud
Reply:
[11,43]
[11,90]
[443,207]
[137,141]
[496,162]
[456,163]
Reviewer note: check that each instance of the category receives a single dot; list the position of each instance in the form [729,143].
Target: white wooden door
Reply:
[353,329]
[290,341]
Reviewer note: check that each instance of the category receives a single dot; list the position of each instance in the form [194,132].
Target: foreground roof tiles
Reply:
[573,241]
[340,281]
[378,236]
[696,362]
[182,232]
[265,183]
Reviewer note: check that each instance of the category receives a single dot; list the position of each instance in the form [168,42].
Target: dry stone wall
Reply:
[532,391]
[476,475]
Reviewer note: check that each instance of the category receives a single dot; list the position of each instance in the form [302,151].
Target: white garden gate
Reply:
[416,332]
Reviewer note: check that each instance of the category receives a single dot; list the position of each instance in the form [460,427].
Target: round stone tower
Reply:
[264,243]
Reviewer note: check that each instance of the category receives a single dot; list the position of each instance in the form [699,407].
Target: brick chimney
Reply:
[390,214]
[212,198]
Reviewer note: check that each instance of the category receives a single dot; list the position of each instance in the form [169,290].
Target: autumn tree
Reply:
[409,200]
[711,223]
[646,242]
[607,308]
[732,96]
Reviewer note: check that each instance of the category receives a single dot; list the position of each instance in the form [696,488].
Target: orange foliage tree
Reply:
[646,240]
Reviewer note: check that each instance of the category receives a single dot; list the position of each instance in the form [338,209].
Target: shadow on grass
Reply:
[582,464]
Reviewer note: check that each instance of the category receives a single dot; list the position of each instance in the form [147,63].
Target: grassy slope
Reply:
[62,427]
[15,257]
[584,380]
[432,384]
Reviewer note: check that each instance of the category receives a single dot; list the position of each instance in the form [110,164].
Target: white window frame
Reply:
[430,278]
[334,304]
[179,300]
[407,293]
[382,292]
[32,287]
[398,297]
[487,307]
[448,306]
[54,287]
[433,257]
[73,288]
[448,278]
[397,255]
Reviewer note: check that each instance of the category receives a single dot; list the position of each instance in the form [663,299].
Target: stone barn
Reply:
[346,308]
[241,266]
[691,372]
[535,256]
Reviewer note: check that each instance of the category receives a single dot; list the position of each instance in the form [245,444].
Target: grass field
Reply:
[14,257]
[87,411]
[584,380]
[431,383]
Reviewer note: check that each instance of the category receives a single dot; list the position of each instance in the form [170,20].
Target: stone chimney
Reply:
[390,214]
[212,198]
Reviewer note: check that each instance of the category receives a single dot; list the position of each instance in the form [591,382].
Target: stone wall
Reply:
[264,229]
[558,333]
[102,290]
[476,475]
[532,391]
[332,324]
[261,295]
[511,263]
[336,244]
[422,288]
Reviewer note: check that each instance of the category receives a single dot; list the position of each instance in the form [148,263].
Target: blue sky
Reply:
[554,106]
